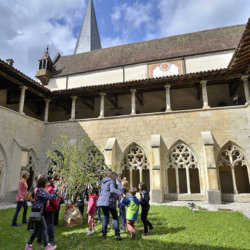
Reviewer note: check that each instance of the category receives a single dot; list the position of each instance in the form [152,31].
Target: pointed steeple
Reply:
[88,38]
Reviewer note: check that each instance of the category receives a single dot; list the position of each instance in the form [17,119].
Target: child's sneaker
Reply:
[90,232]
[50,247]
[151,228]
[145,235]
[133,235]
[28,247]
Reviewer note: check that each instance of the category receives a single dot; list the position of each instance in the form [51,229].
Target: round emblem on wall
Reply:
[164,66]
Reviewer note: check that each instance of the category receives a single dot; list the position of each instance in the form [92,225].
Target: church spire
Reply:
[88,38]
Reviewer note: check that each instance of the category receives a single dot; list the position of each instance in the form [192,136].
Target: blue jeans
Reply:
[98,212]
[49,217]
[123,215]
[19,205]
[40,227]
[114,214]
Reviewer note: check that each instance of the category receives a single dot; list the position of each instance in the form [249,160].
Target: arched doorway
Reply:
[183,171]
[135,166]
[233,170]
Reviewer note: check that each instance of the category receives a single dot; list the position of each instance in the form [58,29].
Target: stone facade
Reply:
[158,136]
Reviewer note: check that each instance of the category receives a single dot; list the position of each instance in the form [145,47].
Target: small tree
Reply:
[78,165]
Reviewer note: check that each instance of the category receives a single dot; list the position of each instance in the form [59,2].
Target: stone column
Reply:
[168,98]
[213,192]
[22,99]
[156,186]
[131,178]
[188,181]
[246,87]
[234,181]
[177,180]
[133,102]
[46,111]
[204,94]
[73,108]
[102,105]
[141,177]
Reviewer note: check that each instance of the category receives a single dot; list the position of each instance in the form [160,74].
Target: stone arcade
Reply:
[162,111]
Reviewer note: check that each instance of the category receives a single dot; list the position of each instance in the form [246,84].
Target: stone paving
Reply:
[243,208]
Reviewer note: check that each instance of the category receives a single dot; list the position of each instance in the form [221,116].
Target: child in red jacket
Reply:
[91,210]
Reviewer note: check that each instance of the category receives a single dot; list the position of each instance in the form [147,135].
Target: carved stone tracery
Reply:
[135,159]
[181,156]
[231,156]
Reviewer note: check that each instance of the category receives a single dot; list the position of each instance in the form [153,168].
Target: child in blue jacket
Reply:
[132,204]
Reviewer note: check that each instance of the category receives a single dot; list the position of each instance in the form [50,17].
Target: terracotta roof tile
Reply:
[165,48]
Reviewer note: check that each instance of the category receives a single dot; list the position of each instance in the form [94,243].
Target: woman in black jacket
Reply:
[144,202]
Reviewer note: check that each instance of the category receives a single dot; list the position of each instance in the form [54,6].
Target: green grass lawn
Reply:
[175,228]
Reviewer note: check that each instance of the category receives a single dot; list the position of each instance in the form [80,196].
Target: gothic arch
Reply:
[233,169]
[3,172]
[50,162]
[32,166]
[135,165]
[183,169]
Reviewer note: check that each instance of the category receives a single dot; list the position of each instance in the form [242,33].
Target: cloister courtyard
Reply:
[175,228]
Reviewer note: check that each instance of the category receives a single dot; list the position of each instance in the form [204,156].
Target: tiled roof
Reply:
[10,70]
[165,48]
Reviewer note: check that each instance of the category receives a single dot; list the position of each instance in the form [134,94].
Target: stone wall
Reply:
[226,124]
[18,135]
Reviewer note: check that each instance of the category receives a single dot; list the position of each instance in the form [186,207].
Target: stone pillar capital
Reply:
[47,100]
[203,83]
[167,86]
[74,97]
[244,78]
[132,90]
[23,87]
[102,94]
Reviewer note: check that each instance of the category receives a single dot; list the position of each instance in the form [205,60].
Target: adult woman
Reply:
[41,196]
[20,198]
[107,201]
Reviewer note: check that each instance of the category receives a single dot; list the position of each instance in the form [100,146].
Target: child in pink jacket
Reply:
[91,210]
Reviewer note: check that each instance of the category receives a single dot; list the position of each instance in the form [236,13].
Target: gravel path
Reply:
[243,208]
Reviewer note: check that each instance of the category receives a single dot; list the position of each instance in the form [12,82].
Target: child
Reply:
[144,202]
[41,196]
[91,210]
[132,211]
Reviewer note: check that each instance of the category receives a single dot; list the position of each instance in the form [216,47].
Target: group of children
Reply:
[46,198]
[128,207]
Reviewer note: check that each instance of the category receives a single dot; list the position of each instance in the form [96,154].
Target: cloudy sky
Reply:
[27,26]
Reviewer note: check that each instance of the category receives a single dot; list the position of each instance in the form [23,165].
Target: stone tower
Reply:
[88,38]
[45,68]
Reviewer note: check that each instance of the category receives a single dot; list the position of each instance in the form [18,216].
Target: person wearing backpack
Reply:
[41,196]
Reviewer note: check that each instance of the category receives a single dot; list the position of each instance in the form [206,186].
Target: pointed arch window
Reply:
[183,170]
[135,166]
[233,170]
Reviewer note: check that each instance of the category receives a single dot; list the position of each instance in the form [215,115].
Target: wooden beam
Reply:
[139,96]
[13,80]
[198,92]
[233,87]
[113,99]
[88,102]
